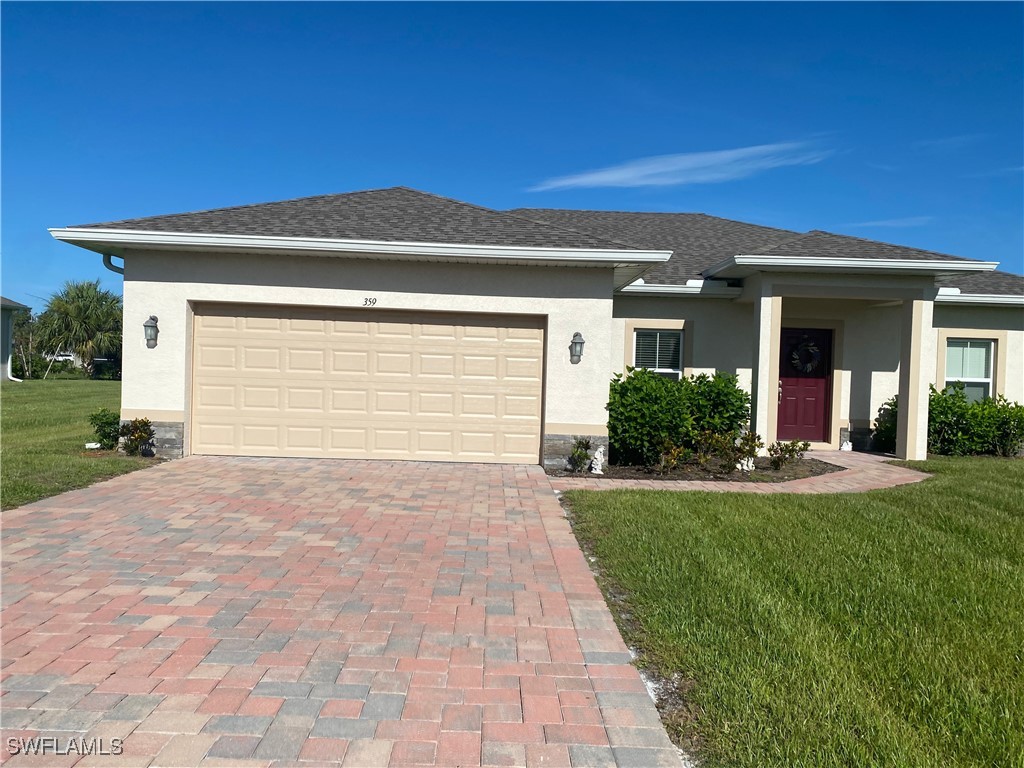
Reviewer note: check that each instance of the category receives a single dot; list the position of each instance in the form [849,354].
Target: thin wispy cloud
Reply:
[1012,170]
[693,167]
[948,143]
[909,221]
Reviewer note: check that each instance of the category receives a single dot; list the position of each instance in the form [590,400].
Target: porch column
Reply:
[917,368]
[765,374]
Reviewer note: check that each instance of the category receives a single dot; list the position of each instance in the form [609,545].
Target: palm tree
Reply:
[84,319]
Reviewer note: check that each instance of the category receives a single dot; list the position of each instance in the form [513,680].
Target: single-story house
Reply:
[7,309]
[397,324]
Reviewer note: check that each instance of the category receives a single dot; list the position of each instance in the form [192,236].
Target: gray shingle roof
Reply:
[396,214]
[11,304]
[995,283]
[700,241]
[827,244]
[697,240]
[400,214]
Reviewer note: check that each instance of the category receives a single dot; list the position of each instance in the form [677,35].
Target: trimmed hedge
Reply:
[648,413]
[957,427]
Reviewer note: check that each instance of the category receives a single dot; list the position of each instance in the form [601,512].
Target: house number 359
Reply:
[369,302]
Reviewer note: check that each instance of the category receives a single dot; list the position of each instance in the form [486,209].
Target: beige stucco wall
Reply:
[1004,325]
[719,334]
[867,336]
[156,381]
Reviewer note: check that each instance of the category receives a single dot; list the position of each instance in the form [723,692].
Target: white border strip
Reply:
[87,236]
[692,288]
[980,298]
[838,264]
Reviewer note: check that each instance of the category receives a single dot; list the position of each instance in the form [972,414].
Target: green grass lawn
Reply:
[878,629]
[43,430]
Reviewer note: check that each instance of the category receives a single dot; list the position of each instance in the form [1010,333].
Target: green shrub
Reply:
[957,427]
[1008,439]
[671,457]
[884,436]
[579,456]
[646,411]
[780,454]
[747,446]
[138,437]
[718,403]
[710,445]
[36,366]
[107,426]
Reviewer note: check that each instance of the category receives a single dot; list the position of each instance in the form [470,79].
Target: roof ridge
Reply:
[659,213]
[573,230]
[544,224]
[750,224]
[890,245]
[252,205]
[606,210]
[760,251]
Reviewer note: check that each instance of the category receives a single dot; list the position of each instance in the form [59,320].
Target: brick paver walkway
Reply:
[862,472]
[286,612]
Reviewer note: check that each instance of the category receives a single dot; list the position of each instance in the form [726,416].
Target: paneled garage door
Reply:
[297,381]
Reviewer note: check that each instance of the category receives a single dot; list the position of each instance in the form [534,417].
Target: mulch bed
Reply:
[100,453]
[763,472]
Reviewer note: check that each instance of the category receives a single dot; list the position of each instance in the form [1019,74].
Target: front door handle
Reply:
[780,391]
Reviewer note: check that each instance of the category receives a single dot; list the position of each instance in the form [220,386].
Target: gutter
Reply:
[949,295]
[92,238]
[753,263]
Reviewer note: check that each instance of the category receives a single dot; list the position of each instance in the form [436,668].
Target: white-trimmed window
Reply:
[970,361]
[659,351]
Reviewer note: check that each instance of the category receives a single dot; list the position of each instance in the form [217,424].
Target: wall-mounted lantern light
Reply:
[576,348]
[151,330]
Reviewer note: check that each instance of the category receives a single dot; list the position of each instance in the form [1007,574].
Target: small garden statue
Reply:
[846,446]
[597,462]
[745,464]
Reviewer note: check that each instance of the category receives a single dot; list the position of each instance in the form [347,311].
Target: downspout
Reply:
[10,363]
[10,350]
[110,265]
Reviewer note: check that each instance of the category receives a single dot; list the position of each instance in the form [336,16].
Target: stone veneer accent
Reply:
[558,447]
[169,442]
[862,439]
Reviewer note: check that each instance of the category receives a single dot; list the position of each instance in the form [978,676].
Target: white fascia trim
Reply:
[979,298]
[93,238]
[701,288]
[841,264]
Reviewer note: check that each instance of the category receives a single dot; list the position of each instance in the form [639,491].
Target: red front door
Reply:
[805,384]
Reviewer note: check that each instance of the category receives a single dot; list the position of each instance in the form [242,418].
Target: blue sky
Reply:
[898,122]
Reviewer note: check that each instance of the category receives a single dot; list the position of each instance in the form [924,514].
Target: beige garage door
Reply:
[295,381]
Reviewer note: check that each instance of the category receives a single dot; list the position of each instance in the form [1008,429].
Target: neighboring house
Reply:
[63,356]
[396,324]
[7,309]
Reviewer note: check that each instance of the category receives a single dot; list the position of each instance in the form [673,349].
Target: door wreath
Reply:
[806,356]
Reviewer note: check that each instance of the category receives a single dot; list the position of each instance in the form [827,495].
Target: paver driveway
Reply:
[275,611]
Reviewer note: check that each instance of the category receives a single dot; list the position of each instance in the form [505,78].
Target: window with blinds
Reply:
[970,361]
[659,351]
